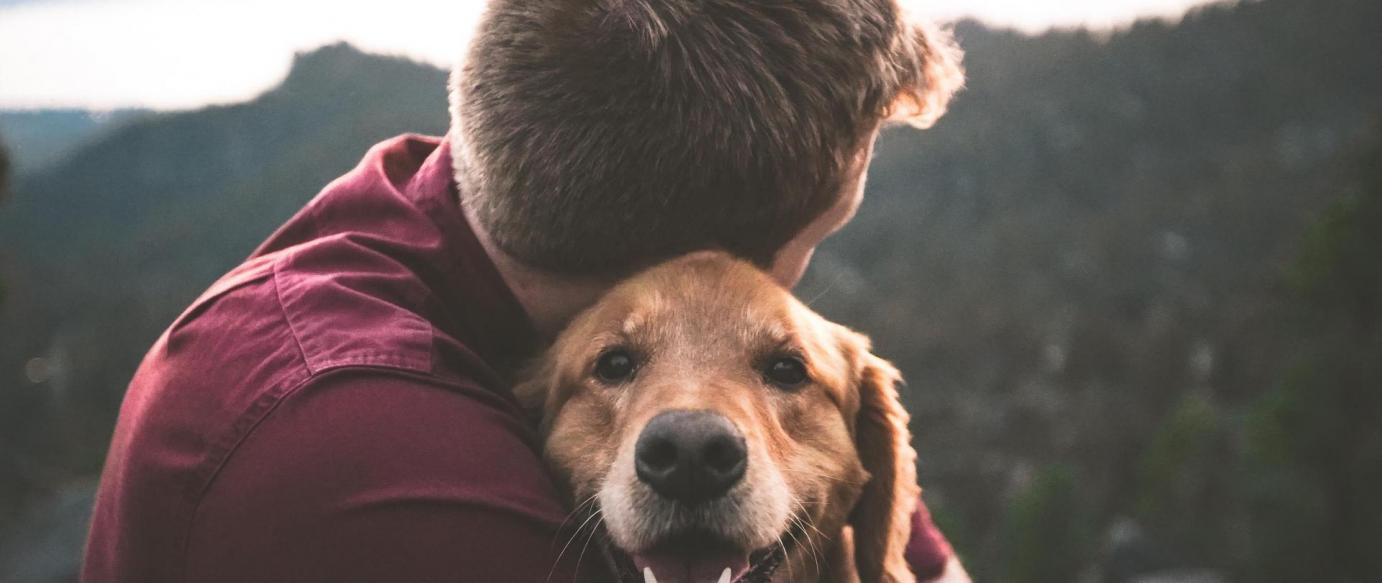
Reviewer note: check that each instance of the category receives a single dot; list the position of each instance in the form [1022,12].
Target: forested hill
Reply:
[1082,270]
[49,134]
[104,249]
[99,252]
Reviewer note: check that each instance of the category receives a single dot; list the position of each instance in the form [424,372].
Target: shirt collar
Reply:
[484,312]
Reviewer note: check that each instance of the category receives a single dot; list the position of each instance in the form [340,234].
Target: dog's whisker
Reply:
[823,476]
[806,519]
[828,288]
[815,549]
[570,540]
[812,548]
[796,541]
[721,308]
[801,519]
[790,575]
[589,538]
[577,510]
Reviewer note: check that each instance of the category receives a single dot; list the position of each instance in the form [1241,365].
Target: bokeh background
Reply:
[1134,278]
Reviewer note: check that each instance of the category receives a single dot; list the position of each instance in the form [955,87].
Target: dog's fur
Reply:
[831,473]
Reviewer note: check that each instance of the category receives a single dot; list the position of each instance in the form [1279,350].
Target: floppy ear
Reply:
[882,517]
[534,387]
[926,61]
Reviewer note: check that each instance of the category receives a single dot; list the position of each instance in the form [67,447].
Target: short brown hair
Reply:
[600,136]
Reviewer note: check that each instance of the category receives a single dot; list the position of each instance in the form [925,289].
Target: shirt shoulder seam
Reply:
[287,321]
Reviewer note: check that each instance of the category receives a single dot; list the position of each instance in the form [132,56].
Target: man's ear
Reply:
[882,519]
[927,59]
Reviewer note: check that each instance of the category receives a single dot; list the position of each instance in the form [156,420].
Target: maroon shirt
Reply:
[334,409]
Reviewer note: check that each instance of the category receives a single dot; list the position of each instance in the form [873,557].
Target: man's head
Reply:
[596,137]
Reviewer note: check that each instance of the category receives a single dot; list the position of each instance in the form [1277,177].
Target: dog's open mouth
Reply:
[699,558]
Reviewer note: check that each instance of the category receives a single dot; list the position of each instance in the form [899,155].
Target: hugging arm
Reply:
[930,554]
[367,477]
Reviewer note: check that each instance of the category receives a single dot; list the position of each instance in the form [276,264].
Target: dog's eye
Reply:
[786,371]
[615,366]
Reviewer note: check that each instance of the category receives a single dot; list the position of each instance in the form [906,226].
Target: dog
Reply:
[710,427]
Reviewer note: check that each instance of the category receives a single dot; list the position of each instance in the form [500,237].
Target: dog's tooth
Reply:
[648,575]
[724,577]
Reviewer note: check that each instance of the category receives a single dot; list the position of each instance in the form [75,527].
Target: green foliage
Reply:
[4,191]
[1313,472]
[956,529]
[1326,243]
[1314,443]
[1288,507]
[1338,270]
[1270,439]
[1097,227]
[1047,533]
[105,248]
[1178,464]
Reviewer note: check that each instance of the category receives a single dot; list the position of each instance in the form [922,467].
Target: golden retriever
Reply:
[710,427]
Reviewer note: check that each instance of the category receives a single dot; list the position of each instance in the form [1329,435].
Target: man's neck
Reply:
[550,300]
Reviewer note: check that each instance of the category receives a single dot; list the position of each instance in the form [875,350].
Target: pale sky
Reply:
[173,54]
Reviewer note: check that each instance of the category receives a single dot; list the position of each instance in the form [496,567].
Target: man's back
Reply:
[329,411]
[335,409]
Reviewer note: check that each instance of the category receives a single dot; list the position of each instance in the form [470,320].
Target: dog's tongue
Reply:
[675,565]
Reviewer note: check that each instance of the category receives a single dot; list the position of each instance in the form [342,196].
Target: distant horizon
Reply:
[213,65]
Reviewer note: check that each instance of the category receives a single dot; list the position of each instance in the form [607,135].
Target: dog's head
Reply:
[715,424]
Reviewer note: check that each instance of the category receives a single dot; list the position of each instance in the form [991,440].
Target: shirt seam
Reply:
[288,321]
[269,401]
[259,410]
[424,364]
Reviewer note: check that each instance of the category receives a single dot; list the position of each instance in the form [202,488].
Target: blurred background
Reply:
[1134,278]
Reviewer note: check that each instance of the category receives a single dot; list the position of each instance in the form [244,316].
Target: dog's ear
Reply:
[927,64]
[536,383]
[882,516]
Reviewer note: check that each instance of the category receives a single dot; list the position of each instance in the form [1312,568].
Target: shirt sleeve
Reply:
[927,551]
[366,476]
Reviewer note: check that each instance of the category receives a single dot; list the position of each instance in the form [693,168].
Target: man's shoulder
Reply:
[324,304]
[348,304]
[360,277]
[365,431]
[349,342]
[365,474]
[277,323]
[283,317]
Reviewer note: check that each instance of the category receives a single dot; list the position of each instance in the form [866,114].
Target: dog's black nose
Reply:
[690,456]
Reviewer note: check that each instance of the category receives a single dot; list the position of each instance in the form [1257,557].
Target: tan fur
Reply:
[834,452]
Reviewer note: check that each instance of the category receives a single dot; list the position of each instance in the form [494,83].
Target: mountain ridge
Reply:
[1078,266]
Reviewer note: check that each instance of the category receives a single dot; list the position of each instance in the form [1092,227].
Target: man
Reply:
[337,407]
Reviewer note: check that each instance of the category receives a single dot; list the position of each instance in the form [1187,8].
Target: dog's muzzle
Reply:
[690,457]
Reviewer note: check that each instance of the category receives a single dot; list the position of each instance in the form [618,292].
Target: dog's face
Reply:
[720,430]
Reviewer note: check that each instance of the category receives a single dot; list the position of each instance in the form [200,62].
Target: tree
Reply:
[4,169]
[1314,463]
[4,192]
